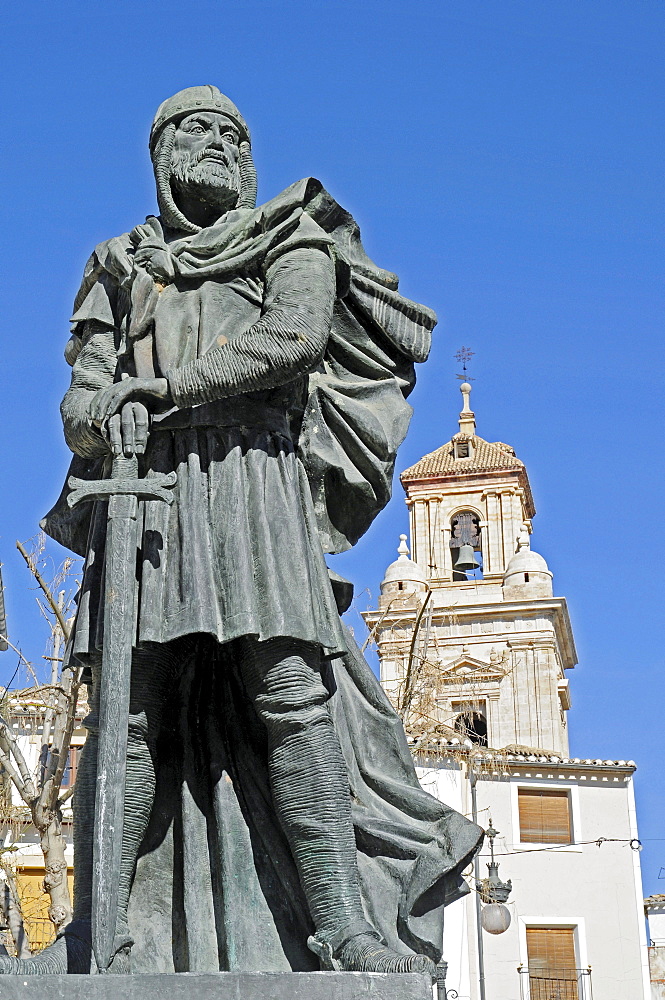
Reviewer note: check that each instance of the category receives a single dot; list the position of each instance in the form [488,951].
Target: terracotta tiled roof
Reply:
[427,744]
[487,457]
[442,462]
[657,900]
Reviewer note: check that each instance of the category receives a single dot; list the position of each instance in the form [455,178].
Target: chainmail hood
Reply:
[162,135]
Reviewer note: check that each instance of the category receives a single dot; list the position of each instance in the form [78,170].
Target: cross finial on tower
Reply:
[463,355]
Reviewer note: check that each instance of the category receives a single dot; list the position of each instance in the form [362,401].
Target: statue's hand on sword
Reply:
[126,433]
[121,412]
[154,393]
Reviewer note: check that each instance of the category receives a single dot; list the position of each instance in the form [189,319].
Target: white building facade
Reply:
[475,652]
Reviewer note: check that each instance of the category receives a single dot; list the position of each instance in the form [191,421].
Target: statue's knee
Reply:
[296,697]
[299,712]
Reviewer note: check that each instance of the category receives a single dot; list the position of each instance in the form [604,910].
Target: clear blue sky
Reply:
[504,157]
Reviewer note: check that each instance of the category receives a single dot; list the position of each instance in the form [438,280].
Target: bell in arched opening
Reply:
[466,559]
[465,542]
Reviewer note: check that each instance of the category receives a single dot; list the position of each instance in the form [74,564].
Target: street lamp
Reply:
[495,916]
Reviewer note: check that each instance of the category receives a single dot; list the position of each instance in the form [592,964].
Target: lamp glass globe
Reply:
[495,918]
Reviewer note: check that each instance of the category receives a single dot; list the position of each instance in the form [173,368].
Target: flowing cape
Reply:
[355,415]
[216,886]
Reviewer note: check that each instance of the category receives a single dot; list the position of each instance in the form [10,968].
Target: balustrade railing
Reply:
[554,984]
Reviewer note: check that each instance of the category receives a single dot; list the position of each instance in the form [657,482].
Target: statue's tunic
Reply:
[238,552]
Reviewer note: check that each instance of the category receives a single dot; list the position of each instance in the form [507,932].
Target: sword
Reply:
[123,491]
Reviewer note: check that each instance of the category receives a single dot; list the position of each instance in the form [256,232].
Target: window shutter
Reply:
[544,816]
[551,952]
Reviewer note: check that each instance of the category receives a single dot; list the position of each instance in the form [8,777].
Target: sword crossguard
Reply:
[124,482]
[156,488]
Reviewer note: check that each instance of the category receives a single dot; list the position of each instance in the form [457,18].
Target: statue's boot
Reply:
[70,954]
[359,948]
[310,788]
[366,953]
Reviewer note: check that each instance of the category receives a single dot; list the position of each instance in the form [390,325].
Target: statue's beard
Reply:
[209,176]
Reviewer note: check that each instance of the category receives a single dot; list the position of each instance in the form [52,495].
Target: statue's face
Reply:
[205,163]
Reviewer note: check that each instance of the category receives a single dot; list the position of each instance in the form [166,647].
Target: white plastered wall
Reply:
[595,890]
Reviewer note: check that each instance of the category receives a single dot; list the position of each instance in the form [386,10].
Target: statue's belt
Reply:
[233,412]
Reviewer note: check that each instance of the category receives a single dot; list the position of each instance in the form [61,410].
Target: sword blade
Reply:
[120,587]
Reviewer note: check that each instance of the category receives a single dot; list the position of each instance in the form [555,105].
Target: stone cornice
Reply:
[556,606]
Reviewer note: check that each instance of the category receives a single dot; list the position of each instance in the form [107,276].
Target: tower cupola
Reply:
[527,574]
[403,576]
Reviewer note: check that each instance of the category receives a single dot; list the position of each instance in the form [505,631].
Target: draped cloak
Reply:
[267,482]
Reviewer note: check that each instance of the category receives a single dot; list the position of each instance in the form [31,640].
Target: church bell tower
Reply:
[471,640]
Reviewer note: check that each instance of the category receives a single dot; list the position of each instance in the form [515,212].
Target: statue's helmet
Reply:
[192,99]
[162,133]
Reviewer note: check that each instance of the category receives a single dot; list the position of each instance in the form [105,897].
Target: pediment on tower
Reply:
[467,667]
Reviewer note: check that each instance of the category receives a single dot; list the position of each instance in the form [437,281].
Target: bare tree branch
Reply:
[409,679]
[25,662]
[57,705]
[375,628]
[22,787]
[32,566]
[66,796]
[11,905]
[24,770]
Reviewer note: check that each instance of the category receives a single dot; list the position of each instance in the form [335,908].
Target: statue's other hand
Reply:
[154,393]
[127,431]
[157,261]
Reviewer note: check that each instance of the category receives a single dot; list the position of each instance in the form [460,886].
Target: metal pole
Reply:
[476,874]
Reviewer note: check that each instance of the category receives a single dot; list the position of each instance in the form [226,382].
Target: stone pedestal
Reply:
[220,986]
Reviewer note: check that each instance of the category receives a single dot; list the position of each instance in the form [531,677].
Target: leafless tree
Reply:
[40,787]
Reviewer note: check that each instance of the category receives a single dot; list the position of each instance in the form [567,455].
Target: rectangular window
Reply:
[552,963]
[471,707]
[544,816]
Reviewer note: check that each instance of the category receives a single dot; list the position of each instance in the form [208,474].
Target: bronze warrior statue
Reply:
[250,365]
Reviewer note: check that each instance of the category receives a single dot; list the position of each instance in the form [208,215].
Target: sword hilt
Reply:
[124,481]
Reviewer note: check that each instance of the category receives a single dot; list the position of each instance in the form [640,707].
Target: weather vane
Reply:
[463,355]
